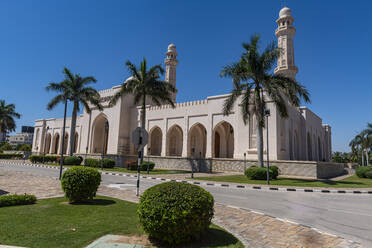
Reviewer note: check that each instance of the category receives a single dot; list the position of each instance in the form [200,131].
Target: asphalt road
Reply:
[345,215]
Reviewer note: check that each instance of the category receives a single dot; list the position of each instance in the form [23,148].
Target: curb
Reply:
[222,185]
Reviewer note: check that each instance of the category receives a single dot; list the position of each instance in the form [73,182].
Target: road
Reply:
[345,215]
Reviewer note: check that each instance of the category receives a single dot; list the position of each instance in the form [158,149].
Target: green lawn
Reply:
[124,170]
[54,223]
[350,182]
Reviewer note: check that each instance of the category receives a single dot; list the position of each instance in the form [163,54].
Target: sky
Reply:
[95,38]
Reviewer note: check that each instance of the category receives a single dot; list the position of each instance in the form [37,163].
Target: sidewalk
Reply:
[252,228]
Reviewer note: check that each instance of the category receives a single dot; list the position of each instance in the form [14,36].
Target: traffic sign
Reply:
[140,137]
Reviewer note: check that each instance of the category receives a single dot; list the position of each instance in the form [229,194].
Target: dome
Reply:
[172,47]
[284,12]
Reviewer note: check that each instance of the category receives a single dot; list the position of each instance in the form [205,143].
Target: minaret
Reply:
[285,33]
[171,63]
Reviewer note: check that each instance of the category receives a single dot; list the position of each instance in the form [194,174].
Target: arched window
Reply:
[47,144]
[100,139]
[197,141]
[65,143]
[36,145]
[175,141]
[76,139]
[55,148]
[223,138]
[155,141]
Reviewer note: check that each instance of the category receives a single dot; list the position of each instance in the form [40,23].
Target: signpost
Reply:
[140,138]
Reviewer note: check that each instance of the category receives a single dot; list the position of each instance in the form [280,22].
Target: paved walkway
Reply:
[253,229]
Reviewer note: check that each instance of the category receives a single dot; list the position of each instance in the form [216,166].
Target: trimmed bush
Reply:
[11,156]
[175,213]
[361,171]
[25,148]
[39,159]
[258,173]
[369,174]
[275,170]
[133,165]
[97,163]
[13,200]
[80,184]
[71,160]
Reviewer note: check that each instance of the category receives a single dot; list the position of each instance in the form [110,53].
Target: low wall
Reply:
[311,169]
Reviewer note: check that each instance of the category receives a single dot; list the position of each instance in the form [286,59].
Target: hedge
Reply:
[72,160]
[80,184]
[369,174]
[175,213]
[97,163]
[13,200]
[41,159]
[133,165]
[362,171]
[259,173]
[11,156]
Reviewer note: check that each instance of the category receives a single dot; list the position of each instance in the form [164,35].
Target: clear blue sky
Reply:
[332,49]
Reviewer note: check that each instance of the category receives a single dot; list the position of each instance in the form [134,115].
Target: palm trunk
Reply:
[143,122]
[367,157]
[260,144]
[73,128]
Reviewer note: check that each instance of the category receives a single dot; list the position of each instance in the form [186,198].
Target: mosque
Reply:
[197,130]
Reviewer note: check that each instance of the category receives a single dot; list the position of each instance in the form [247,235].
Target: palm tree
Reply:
[7,115]
[145,85]
[252,78]
[75,88]
[362,143]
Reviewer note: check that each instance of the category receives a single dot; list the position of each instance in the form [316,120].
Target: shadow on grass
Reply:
[97,202]
[325,181]
[2,192]
[213,237]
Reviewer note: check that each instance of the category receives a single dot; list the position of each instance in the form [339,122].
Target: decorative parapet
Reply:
[179,105]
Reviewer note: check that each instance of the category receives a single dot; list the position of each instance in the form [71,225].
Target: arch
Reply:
[197,141]
[174,144]
[76,139]
[55,146]
[36,145]
[252,132]
[320,150]
[155,141]
[99,133]
[309,148]
[48,143]
[223,140]
[65,145]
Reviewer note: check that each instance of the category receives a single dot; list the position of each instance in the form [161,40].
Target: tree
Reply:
[255,85]
[145,84]
[75,89]
[7,115]
[362,143]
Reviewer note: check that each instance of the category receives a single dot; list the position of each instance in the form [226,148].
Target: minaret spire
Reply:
[285,33]
[171,63]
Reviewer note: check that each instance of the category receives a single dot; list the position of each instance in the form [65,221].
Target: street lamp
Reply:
[148,159]
[245,164]
[267,114]
[192,163]
[45,138]
[104,142]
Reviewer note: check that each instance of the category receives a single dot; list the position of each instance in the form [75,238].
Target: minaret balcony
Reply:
[283,30]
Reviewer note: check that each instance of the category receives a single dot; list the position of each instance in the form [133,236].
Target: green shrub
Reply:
[97,163]
[71,160]
[369,174]
[40,159]
[11,156]
[275,171]
[133,165]
[80,183]
[258,173]
[13,200]
[361,171]
[25,148]
[6,147]
[175,213]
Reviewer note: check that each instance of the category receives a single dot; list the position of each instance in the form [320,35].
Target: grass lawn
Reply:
[54,223]
[350,182]
[124,170]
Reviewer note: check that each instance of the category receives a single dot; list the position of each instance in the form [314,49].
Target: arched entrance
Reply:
[197,141]
[223,138]
[309,148]
[174,141]
[36,145]
[65,143]
[155,141]
[55,143]
[99,134]
[47,144]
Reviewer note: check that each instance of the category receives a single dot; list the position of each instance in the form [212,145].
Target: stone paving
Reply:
[252,228]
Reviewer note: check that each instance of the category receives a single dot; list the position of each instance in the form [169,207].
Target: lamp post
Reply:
[245,164]
[148,160]
[192,164]
[267,114]
[104,143]
[45,138]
